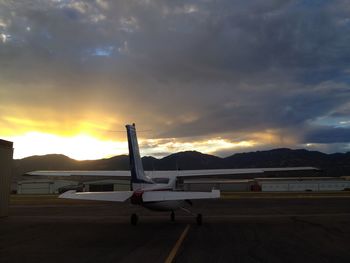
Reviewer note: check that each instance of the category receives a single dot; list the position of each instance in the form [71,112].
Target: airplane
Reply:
[157,190]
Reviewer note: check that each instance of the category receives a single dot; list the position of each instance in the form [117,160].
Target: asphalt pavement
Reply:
[243,230]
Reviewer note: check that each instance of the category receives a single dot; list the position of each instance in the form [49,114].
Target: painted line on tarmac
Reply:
[177,245]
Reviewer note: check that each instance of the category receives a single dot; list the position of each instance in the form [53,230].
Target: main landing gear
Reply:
[199,218]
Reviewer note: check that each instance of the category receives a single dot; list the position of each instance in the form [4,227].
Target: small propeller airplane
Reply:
[153,190]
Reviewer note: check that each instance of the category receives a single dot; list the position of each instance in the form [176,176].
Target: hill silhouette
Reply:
[337,164]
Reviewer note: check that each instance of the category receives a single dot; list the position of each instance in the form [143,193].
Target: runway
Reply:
[243,230]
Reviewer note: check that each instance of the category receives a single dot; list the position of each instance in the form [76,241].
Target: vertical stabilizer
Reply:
[138,177]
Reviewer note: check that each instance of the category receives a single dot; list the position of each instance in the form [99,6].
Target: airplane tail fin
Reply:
[138,177]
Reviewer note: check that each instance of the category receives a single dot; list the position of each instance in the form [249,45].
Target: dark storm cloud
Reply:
[187,67]
[342,112]
[328,135]
[266,108]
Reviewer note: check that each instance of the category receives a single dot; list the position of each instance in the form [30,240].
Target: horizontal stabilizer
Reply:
[119,196]
[153,196]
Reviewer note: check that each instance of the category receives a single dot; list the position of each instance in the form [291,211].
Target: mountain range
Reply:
[337,164]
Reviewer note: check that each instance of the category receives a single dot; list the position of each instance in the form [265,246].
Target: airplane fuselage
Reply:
[171,205]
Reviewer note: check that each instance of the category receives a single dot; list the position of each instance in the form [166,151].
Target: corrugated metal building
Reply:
[6,154]
[54,186]
[225,185]
[43,186]
[284,184]
[301,184]
[107,185]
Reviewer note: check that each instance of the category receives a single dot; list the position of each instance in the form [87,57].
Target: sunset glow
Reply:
[158,147]
[87,147]
[80,147]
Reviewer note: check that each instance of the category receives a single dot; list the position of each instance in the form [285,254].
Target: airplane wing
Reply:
[226,172]
[212,173]
[102,173]
[153,196]
[174,173]
[115,196]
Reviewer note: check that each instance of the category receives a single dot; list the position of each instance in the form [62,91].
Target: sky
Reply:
[218,77]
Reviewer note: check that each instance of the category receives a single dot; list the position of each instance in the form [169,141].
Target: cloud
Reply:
[328,135]
[186,69]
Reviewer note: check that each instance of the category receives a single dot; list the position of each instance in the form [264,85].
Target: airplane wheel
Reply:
[172,216]
[199,219]
[133,219]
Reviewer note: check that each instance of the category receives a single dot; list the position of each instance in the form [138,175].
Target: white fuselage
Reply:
[159,205]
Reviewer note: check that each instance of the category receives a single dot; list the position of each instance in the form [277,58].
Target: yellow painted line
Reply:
[178,243]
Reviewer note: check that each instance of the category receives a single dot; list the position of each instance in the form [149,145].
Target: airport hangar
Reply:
[295,181]
[6,155]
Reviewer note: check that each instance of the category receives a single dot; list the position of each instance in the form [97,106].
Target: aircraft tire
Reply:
[133,219]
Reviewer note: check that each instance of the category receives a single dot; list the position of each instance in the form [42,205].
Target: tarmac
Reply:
[233,230]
